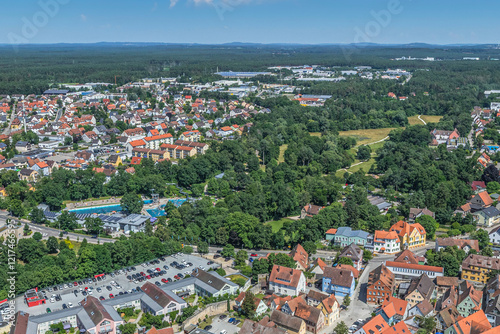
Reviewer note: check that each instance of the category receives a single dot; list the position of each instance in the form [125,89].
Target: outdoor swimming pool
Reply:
[158,212]
[110,208]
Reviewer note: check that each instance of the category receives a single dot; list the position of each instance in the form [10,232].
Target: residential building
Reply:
[201,148]
[265,326]
[487,217]
[289,323]
[260,306]
[386,242]
[474,323]
[28,175]
[407,270]
[312,316]
[178,152]
[422,309]
[164,302]
[345,236]
[410,235]
[475,268]
[330,308]
[318,268]
[465,244]
[377,324]
[354,253]
[420,289]
[444,283]
[300,257]
[339,282]
[494,236]
[447,317]
[381,285]
[115,160]
[393,310]
[287,281]
[416,212]
[310,210]
[330,234]
[154,155]
[469,299]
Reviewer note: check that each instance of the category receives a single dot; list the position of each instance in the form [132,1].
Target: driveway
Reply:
[219,325]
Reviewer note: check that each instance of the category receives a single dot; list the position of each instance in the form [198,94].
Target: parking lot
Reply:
[118,284]
[219,325]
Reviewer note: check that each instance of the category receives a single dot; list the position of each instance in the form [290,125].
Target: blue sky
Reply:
[259,21]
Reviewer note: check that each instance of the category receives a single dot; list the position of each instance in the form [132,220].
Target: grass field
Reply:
[282,153]
[315,134]
[277,224]
[413,120]
[367,136]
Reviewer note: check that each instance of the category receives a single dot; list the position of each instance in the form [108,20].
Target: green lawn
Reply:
[277,224]
[282,153]
[367,136]
[413,120]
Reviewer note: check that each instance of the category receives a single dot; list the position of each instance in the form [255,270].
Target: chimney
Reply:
[278,269]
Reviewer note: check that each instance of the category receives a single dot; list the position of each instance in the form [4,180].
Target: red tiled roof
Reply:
[414,266]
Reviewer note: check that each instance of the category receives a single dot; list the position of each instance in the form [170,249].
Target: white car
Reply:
[52,300]
[70,304]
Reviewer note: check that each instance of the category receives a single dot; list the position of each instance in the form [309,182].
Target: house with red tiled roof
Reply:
[400,328]
[153,330]
[300,257]
[478,186]
[135,161]
[408,270]
[194,135]
[140,143]
[310,210]
[330,234]
[410,235]
[393,310]
[375,325]
[287,281]
[386,242]
[318,267]
[381,285]
[473,324]
[313,317]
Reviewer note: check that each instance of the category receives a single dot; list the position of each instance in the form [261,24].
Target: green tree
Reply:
[341,328]
[26,229]
[364,152]
[493,187]
[67,221]
[37,236]
[248,305]
[16,208]
[429,224]
[427,323]
[346,260]
[37,216]
[129,328]
[94,225]
[202,247]
[367,255]
[228,251]
[52,245]
[482,237]
[241,258]
[310,247]
[347,301]
[131,203]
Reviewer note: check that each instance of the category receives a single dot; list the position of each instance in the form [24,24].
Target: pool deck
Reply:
[161,202]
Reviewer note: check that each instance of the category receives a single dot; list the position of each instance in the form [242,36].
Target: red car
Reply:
[164,280]
[158,269]
[148,277]
[142,273]
[176,277]
[75,283]
[254,255]
[111,295]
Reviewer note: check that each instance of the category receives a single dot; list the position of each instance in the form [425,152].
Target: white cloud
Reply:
[173,3]
[83,17]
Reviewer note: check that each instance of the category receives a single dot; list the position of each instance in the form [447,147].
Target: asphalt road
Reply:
[68,296]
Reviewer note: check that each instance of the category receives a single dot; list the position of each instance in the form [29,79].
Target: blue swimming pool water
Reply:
[158,212]
[104,209]
[116,207]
